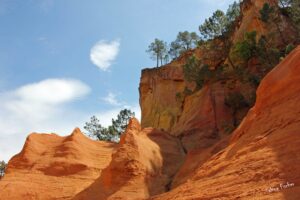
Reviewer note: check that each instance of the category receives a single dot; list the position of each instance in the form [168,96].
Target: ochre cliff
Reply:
[262,160]
[54,167]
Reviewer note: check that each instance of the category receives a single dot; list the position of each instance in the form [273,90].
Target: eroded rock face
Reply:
[261,161]
[54,167]
[158,89]
[143,165]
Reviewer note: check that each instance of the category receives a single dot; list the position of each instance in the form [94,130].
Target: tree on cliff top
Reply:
[184,41]
[187,40]
[157,50]
[214,26]
[220,24]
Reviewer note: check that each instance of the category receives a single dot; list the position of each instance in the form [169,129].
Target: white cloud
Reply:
[103,53]
[111,99]
[39,107]
[52,91]
[43,107]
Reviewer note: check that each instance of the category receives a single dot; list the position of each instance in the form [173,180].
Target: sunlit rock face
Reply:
[261,161]
[143,165]
[54,167]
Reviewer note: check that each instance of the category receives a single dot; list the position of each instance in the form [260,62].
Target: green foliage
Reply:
[196,71]
[184,41]
[120,124]
[95,130]
[175,50]
[265,12]
[111,133]
[246,49]
[2,168]
[214,26]
[295,12]
[289,48]
[220,24]
[292,9]
[157,50]
[233,12]
[187,40]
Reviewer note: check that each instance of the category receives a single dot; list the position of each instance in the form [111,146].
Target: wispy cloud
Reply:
[111,99]
[104,53]
[40,106]
[45,107]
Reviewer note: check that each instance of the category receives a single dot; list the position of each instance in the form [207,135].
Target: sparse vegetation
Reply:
[220,24]
[235,101]
[158,51]
[291,8]
[120,124]
[289,48]
[111,133]
[246,49]
[196,71]
[2,168]
[265,12]
[187,40]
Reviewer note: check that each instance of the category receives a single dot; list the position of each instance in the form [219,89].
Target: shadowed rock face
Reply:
[143,165]
[263,150]
[54,167]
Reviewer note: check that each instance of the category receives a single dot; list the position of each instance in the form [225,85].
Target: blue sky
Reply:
[62,61]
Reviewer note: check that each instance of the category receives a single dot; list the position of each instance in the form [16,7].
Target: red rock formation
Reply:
[54,167]
[143,165]
[187,150]
[262,156]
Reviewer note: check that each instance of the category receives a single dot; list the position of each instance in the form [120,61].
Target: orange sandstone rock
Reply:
[54,167]
[262,160]
[143,165]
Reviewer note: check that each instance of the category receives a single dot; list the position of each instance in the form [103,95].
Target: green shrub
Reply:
[289,48]
[246,49]
[265,12]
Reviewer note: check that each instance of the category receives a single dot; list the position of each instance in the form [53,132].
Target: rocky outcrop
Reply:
[158,89]
[261,161]
[54,167]
[143,165]
[282,31]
